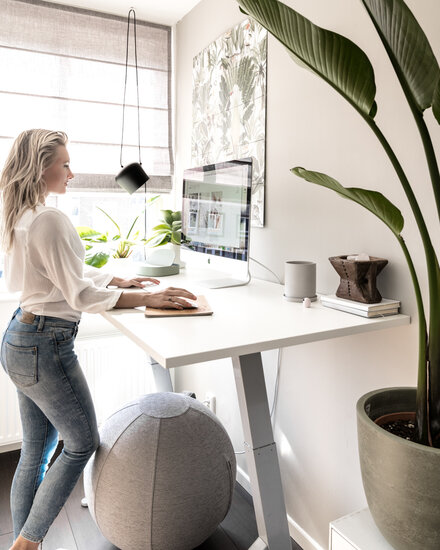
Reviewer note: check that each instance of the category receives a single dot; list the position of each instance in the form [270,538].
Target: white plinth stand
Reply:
[357,531]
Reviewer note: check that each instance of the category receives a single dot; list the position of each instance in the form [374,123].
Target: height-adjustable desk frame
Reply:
[246,321]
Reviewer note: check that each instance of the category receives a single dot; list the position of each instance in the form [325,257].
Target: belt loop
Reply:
[40,323]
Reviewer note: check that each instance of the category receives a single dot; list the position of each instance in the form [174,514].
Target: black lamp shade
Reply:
[132,177]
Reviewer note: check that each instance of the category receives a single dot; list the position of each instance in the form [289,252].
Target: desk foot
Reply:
[259,544]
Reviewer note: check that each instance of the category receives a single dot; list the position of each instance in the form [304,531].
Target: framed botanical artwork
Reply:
[229,104]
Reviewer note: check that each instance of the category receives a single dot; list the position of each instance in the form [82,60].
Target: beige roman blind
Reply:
[63,68]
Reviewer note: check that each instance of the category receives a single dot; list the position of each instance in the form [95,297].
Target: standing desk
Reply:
[246,321]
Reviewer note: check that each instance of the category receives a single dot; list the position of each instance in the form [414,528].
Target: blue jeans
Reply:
[37,354]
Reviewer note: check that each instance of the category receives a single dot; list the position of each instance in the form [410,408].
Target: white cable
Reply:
[277,383]
[277,379]
[275,395]
[265,267]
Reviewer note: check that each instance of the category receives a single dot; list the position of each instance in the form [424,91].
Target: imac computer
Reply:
[216,221]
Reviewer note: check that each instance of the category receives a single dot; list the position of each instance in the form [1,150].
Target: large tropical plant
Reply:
[346,68]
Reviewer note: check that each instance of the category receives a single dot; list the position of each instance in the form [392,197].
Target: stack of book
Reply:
[379,309]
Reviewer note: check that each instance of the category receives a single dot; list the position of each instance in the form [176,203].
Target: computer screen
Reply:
[216,212]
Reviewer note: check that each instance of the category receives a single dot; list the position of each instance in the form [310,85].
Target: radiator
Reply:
[116,370]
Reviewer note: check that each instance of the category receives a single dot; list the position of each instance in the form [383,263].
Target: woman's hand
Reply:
[170,298]
[132,282]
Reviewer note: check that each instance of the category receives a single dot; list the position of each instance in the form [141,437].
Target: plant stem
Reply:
[416,111]
[430,156]
[406,187]
[422,424]
[434,287]
[434,360]
[432,349]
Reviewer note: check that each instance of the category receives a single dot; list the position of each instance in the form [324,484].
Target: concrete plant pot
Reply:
[401,478]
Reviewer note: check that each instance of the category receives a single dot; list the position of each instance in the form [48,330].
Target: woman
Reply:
[45,261]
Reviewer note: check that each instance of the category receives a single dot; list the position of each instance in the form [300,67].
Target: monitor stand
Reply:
[224,282]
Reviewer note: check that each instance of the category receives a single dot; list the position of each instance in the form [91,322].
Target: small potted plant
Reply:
[168,232]
[401,478]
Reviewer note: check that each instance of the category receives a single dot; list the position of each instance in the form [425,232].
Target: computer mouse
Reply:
[192,304]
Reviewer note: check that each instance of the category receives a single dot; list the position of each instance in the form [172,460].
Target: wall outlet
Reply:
[210,402]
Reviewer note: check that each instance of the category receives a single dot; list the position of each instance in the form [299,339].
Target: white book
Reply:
[361,312]
[385,304]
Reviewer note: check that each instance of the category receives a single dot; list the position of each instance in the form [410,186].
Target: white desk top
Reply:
[246,319]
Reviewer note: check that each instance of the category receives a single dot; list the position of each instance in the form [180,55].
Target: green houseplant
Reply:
[346,68]
[168,230]
[100,246]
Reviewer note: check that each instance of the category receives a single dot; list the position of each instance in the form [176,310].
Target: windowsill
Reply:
[92,325]
[6,296]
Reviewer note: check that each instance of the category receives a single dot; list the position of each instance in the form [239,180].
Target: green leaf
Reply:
[162,226]
[177,216]
[97,260]
[177,225]
[331,56]
[158,240]
[132,225]
[436,102]
[167,216]
[86,232]
[407,47]
[373,201]
[152,200]
[176,237]
[110,218]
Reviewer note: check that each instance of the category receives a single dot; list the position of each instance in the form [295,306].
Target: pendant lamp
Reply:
[132,176]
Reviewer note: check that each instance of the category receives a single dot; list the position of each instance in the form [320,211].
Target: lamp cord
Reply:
[125,85]
[145,220]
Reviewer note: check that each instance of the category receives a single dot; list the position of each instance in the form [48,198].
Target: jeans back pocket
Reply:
[21,364]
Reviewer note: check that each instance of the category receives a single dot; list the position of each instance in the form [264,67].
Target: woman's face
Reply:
[58,173]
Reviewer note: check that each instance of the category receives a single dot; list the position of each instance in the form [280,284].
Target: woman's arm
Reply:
[170,298]
[133,281]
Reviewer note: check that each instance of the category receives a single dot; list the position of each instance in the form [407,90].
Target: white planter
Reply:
[177,259]
[121,267]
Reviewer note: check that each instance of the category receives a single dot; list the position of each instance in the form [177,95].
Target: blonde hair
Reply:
[22,185]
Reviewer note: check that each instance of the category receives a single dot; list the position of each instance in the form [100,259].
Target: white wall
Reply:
[310,125]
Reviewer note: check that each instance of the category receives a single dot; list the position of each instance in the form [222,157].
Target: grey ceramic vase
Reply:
[401,478]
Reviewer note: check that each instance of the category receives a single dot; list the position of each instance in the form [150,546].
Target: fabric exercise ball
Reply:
[163,476]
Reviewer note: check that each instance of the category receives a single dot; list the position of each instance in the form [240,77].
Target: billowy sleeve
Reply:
[57,252]
[98,276]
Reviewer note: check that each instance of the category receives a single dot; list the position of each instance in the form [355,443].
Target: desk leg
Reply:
[261,455]
[161,376]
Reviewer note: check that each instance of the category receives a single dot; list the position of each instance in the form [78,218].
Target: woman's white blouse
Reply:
[46,264]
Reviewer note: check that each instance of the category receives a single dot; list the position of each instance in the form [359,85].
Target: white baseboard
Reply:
[298,534]
[10,447]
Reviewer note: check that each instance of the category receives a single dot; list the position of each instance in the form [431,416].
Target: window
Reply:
[63,68]
[82,209]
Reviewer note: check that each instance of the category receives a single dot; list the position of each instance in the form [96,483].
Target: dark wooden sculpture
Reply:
[358,278]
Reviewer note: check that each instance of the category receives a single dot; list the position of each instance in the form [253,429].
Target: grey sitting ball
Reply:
[163,476]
